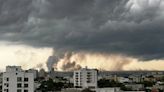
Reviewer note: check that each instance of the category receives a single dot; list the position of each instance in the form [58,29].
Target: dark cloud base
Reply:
[106,26]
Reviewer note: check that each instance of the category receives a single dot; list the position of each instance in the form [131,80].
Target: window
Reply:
[88,81]
[25,85]
[26,90]
[6,84]
[88,73]
[7,79]
[6,90]
[19,90]
[19,85]
[19,79]
[26,79]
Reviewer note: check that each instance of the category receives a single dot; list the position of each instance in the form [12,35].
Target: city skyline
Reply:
[111,35]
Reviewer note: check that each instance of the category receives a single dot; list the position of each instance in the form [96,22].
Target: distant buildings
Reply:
[54,74]
[35,72]
[85,78]
[42,73]
[14,79]
[17,80]
[123,80]
[108,89]
[134,86]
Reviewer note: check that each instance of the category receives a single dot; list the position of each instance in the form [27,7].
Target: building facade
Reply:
[85,78]
[17,80]
[35,72]
[1,75]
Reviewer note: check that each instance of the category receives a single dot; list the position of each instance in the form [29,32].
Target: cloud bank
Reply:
[133,28]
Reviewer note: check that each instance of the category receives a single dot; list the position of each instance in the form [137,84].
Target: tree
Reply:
[148,83]
[49,85]
[87,90]
[108,83]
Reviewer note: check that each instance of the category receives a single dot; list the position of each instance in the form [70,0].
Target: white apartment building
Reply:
[17,80]
[85,78]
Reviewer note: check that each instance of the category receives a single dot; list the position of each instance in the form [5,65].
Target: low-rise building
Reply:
[135,79]
[108,90]
[161,87]
[135,86]
[123,80]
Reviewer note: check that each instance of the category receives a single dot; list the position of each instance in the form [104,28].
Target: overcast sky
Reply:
[126,28]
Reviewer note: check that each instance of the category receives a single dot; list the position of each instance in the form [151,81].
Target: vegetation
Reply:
[50,85]
[108,83]
[87,90]
[162,79]
[148,83]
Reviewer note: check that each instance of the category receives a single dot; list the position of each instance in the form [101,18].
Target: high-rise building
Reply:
[17,80]
[85,78]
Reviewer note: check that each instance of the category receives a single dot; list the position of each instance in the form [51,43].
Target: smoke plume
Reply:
[74,61]
[51,62]
[39,66]
[108,62]
[67,63]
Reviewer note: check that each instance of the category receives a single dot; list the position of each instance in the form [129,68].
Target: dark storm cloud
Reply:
[12,12]
[110,26]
